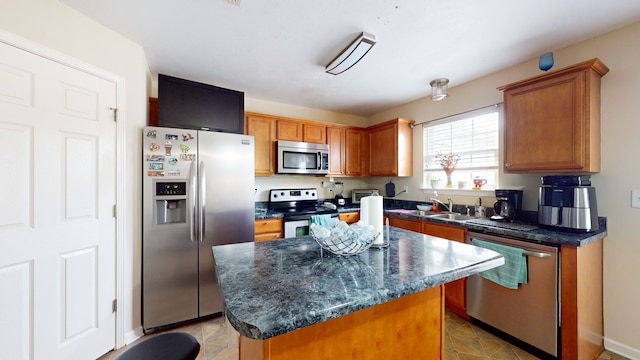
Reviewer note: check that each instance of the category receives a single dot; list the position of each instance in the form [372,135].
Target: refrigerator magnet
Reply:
[155,173]
[184,148]
[187,137]
[173,161]
[152,134]
[187,157]
[156,166]
[156,158]
[154,147]
[173,172]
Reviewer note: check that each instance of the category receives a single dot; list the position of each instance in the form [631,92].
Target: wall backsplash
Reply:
[264,184]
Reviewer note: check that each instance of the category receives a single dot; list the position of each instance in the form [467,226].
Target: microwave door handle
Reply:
[319,160]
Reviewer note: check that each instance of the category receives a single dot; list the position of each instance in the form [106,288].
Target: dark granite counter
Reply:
[274,287]
[533,232]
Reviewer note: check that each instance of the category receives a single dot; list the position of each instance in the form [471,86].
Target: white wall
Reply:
[64,30]
[620,172]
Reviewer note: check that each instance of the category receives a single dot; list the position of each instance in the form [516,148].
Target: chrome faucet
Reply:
[448,207]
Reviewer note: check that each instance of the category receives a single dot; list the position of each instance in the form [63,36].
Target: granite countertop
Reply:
[533,233]
[274,287]
[527,232]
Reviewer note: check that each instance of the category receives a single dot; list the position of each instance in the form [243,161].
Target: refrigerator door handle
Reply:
[192,202]
[202,178]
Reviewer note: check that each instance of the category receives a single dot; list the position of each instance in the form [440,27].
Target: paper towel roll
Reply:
[371,213]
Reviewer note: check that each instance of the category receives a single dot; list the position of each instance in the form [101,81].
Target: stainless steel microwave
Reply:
[295,157]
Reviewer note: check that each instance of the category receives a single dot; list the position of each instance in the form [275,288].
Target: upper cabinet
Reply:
[263,129]
[391,148]
[299,130]
[355,152]
[336,142]
[346,151]
[552,121]
[384,149]
[153,112]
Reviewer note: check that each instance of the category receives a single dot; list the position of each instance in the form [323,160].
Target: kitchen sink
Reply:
[452,216]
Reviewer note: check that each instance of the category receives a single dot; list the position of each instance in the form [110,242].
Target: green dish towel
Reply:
[514,270]
[323,220]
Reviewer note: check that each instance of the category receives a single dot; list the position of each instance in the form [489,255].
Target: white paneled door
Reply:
[57,226]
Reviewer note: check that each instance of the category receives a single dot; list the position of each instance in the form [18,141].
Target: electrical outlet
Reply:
[405,189]
[635,198]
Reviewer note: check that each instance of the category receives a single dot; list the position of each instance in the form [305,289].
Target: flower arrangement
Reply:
[448,162]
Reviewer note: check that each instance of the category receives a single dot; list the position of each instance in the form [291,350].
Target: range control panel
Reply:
[281,195]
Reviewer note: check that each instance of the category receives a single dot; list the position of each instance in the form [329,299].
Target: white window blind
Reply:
[474,137]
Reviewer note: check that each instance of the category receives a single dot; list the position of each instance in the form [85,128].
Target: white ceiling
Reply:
[276,50]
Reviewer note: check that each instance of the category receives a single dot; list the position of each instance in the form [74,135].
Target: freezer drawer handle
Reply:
[536,254]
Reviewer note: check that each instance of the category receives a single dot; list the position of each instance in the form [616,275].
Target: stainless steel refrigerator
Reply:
[198,191]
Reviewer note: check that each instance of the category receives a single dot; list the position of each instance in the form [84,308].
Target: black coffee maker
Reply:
[508,204]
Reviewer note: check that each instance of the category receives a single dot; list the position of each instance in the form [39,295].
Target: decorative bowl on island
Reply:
[342,239]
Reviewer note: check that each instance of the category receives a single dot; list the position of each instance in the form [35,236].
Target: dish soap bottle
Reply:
[480,210]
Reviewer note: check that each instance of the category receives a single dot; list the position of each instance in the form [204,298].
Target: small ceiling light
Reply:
[351,54]
[439,89]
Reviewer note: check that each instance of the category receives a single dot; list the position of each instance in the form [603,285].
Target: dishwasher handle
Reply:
[537,254]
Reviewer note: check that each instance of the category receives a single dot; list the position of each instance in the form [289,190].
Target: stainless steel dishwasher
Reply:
[529,313]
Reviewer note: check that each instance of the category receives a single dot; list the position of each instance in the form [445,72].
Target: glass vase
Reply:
[449,182]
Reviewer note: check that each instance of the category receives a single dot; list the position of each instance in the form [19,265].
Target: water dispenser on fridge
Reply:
[170,202]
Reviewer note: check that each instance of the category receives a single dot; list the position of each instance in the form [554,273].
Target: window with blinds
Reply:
[474,137]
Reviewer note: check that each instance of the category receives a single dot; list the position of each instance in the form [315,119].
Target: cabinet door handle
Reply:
[507,165]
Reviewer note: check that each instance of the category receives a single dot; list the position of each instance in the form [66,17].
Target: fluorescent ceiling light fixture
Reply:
[439,89]
[352,54]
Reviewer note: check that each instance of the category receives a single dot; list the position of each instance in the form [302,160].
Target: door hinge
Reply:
[115,114]
[115,211]
[114,305]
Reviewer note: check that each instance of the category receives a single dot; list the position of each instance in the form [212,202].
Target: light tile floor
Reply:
[463,341]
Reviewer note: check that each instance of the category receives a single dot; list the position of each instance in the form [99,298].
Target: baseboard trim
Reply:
[133,335]
[621,349]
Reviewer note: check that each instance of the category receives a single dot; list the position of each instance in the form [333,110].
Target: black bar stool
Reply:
[168,346]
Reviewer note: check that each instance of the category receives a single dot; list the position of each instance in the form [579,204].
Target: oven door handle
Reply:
[537,254]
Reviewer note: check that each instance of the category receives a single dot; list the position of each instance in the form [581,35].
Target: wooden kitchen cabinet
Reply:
[289,130]
[391,148]
[346,151]
[349,217]
[404,223]
[300,130]
[153,112]
[263,129]
[314,133]
[552,121]
[455,291]
[336,142]
[268,229]
[581,308]
[354,152]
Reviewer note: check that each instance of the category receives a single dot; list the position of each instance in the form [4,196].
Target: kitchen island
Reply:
[289,299]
